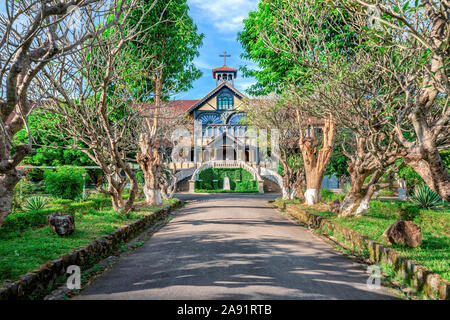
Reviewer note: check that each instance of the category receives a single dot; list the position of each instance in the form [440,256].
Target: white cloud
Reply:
[201,64]
[225,15]
[245,84]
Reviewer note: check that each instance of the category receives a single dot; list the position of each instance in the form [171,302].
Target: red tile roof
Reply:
[224,68]
[176,106]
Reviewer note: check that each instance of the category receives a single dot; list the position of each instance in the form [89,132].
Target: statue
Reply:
[226,183]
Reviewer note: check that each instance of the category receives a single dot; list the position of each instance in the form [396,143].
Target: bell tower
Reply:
[224,73]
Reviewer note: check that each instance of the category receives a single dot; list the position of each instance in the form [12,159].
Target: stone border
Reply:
[40,280]
[429,284]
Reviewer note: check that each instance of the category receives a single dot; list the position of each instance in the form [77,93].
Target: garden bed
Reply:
[433,255]
[97,233]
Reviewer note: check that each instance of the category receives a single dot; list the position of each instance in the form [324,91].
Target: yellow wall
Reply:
[211,104]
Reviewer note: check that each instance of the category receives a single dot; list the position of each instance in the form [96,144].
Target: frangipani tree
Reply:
[32,35]
[95,103]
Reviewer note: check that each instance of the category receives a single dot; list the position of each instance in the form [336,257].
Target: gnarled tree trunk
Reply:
[315,157]
[356,202]
[8,181]
[423,154]
[361,165]
[150,161]
[426,161]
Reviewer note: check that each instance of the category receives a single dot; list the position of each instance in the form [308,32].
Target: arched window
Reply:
[225,101]
[209,118]
[236,118]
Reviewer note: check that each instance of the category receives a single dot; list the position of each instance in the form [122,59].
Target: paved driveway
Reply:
[233,247]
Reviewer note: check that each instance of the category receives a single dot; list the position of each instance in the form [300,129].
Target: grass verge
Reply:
[433,253]
[26,251]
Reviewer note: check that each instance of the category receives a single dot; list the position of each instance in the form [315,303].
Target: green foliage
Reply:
[274,68]
[64,182]
[326,194]
[35,203]
[338,164]
[386,193]
[433,253]
[174,43]
[425,198]
[84,196]
[410,176]
[240,180]
[330,196]
[26,187]
[140,177]
[50,150]
[409,211]
[20,221]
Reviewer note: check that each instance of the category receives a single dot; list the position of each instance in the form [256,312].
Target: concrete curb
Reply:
[429,284]
[39,281]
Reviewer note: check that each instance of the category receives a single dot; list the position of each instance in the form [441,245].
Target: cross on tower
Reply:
[225,55]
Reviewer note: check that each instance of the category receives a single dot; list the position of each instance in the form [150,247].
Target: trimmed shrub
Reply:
[20,221]
[240,180]
[386,193]
[64,182]
[26,187]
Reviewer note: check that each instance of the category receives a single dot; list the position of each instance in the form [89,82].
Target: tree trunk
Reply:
[432,170]
[355,197]
[8,181]
[134,189]
[423,155]
[117,200]
[356,202]
[150,161]
[150,158]
[316,158]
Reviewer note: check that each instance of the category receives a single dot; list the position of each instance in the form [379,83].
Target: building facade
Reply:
[221,138]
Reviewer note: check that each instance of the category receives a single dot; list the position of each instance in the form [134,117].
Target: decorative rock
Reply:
[62,225]
[405,233]
[334,206]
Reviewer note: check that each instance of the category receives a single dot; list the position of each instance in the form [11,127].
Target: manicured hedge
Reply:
[212,180]
[222,191]
[20,221]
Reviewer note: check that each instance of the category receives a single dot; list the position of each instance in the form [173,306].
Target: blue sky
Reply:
[220,21]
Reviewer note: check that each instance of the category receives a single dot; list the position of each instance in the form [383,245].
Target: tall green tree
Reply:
[173,46]
[272,71]
[50,150]
[275,38]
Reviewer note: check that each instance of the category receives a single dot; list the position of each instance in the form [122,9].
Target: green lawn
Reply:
[433,253]
[23,252]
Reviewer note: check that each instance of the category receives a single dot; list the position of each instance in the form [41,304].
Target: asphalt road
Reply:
[233,247]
